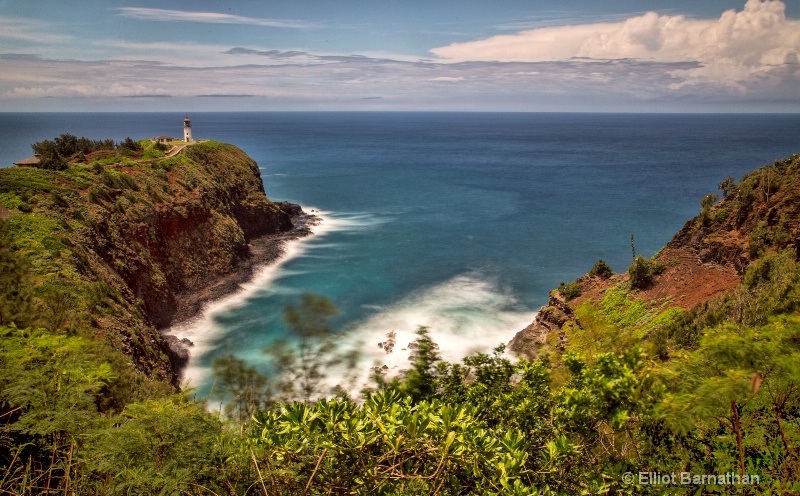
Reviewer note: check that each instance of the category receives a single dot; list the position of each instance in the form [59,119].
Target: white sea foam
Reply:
[466,314]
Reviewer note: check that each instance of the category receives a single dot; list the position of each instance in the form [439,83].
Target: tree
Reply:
[49,157]
[706,203]
[67,145]
[49,391]
[302,361]
[129,146]
[597,413]
[55,154]
[241,387]
[420,382]
[739,381]
[727,186]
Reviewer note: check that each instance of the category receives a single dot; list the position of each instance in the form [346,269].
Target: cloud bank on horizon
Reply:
[731,51]
[743,60]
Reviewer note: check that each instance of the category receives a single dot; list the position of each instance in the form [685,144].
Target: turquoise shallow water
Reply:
[462,222]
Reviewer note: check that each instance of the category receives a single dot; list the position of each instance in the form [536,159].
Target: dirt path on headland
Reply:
[176,150]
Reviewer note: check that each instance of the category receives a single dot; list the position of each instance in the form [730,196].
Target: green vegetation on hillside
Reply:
[99,237]
[638,388]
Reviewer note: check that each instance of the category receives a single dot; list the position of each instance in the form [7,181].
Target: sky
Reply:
[472,55]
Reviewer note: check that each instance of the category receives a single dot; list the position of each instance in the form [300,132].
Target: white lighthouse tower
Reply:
[187,130]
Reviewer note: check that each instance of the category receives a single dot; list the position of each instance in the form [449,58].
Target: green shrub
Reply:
[706,203]
[569,291]
[780,236]
[428,447]
[642,272]
[161,446]
[601,269]
[161,147]
[170,163]
[152,153]
[658,268]
[129,147]
[118,180]
[59,200]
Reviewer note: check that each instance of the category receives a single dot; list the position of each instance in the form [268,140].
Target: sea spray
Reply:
[466,314]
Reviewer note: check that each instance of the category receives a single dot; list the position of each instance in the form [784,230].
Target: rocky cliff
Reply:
[135,244]
[704,260]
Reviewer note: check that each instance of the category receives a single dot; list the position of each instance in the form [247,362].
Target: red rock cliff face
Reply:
[165,255]
[196,235]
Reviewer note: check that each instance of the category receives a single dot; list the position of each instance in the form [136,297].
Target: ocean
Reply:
[462,222]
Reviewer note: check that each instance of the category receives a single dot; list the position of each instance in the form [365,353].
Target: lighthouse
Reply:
[187,130]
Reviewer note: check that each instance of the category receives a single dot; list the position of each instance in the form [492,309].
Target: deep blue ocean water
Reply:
[459,221]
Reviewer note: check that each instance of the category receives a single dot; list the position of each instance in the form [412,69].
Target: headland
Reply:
[134,239]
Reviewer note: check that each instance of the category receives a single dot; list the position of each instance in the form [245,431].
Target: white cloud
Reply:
[731,50]
[209,17]
[761,28]
[29,30]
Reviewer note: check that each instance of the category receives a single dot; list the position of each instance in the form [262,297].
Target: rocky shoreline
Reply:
[262,251]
